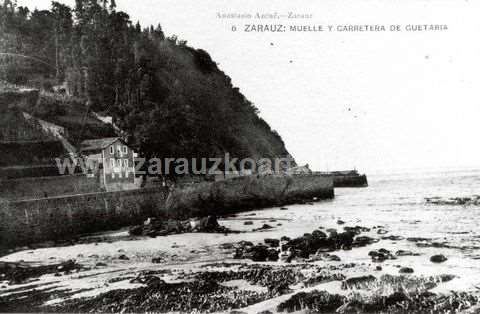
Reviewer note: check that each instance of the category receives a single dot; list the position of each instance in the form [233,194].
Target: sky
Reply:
[374,101]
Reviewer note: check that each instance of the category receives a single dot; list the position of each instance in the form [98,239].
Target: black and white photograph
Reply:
[240,157]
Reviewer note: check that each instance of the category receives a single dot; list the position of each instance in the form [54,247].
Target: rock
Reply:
[272,255]
[243,244]
[157,260]
[327,257]
[381,255]
[344,239]
[226,246]
[319,234]
[393,238]
[382,231]
[406,253]
[331,230]
[317,243]
[272,242]
[363,241]
[378,268]
[406,270]
[123,257]
[358,282]
[314,301]
[440,258]
[396,298]
[418,239]
[278,289]
[101,264]
[154,282]
[264,227]
[283,208]
[356,230]
[207,224]
[446,277]
[154,227]
[287,256]
[136,230]
[257,253]
[248,223]
[340,222]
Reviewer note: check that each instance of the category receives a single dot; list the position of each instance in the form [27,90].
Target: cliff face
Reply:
[194,110]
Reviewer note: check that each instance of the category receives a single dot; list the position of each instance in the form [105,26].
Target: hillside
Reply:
[171,100]
[68,112]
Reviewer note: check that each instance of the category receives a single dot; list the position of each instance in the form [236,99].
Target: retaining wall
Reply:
[25,222]
[248,192]
[43,187]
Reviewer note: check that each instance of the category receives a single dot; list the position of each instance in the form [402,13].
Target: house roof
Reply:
[99,143]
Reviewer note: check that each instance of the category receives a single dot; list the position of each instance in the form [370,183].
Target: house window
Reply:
[127,170]
[119,163]
[112,163]
[111,150]
[125,149]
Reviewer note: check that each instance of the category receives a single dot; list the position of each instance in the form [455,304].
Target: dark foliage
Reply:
[170,99]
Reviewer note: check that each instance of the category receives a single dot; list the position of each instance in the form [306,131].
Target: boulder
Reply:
[123,257]
[136,230]
[406,270]
[406,253]
[319,234]
[381,255]
[208,224]
[272,242]
[358,282]
[363,241]
[440,258]
[395,298]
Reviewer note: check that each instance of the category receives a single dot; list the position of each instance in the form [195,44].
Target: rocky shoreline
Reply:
[306,273]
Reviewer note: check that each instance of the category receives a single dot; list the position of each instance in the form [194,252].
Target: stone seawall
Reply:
[350,181]
[249,192]
[43,187]
[26,222]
